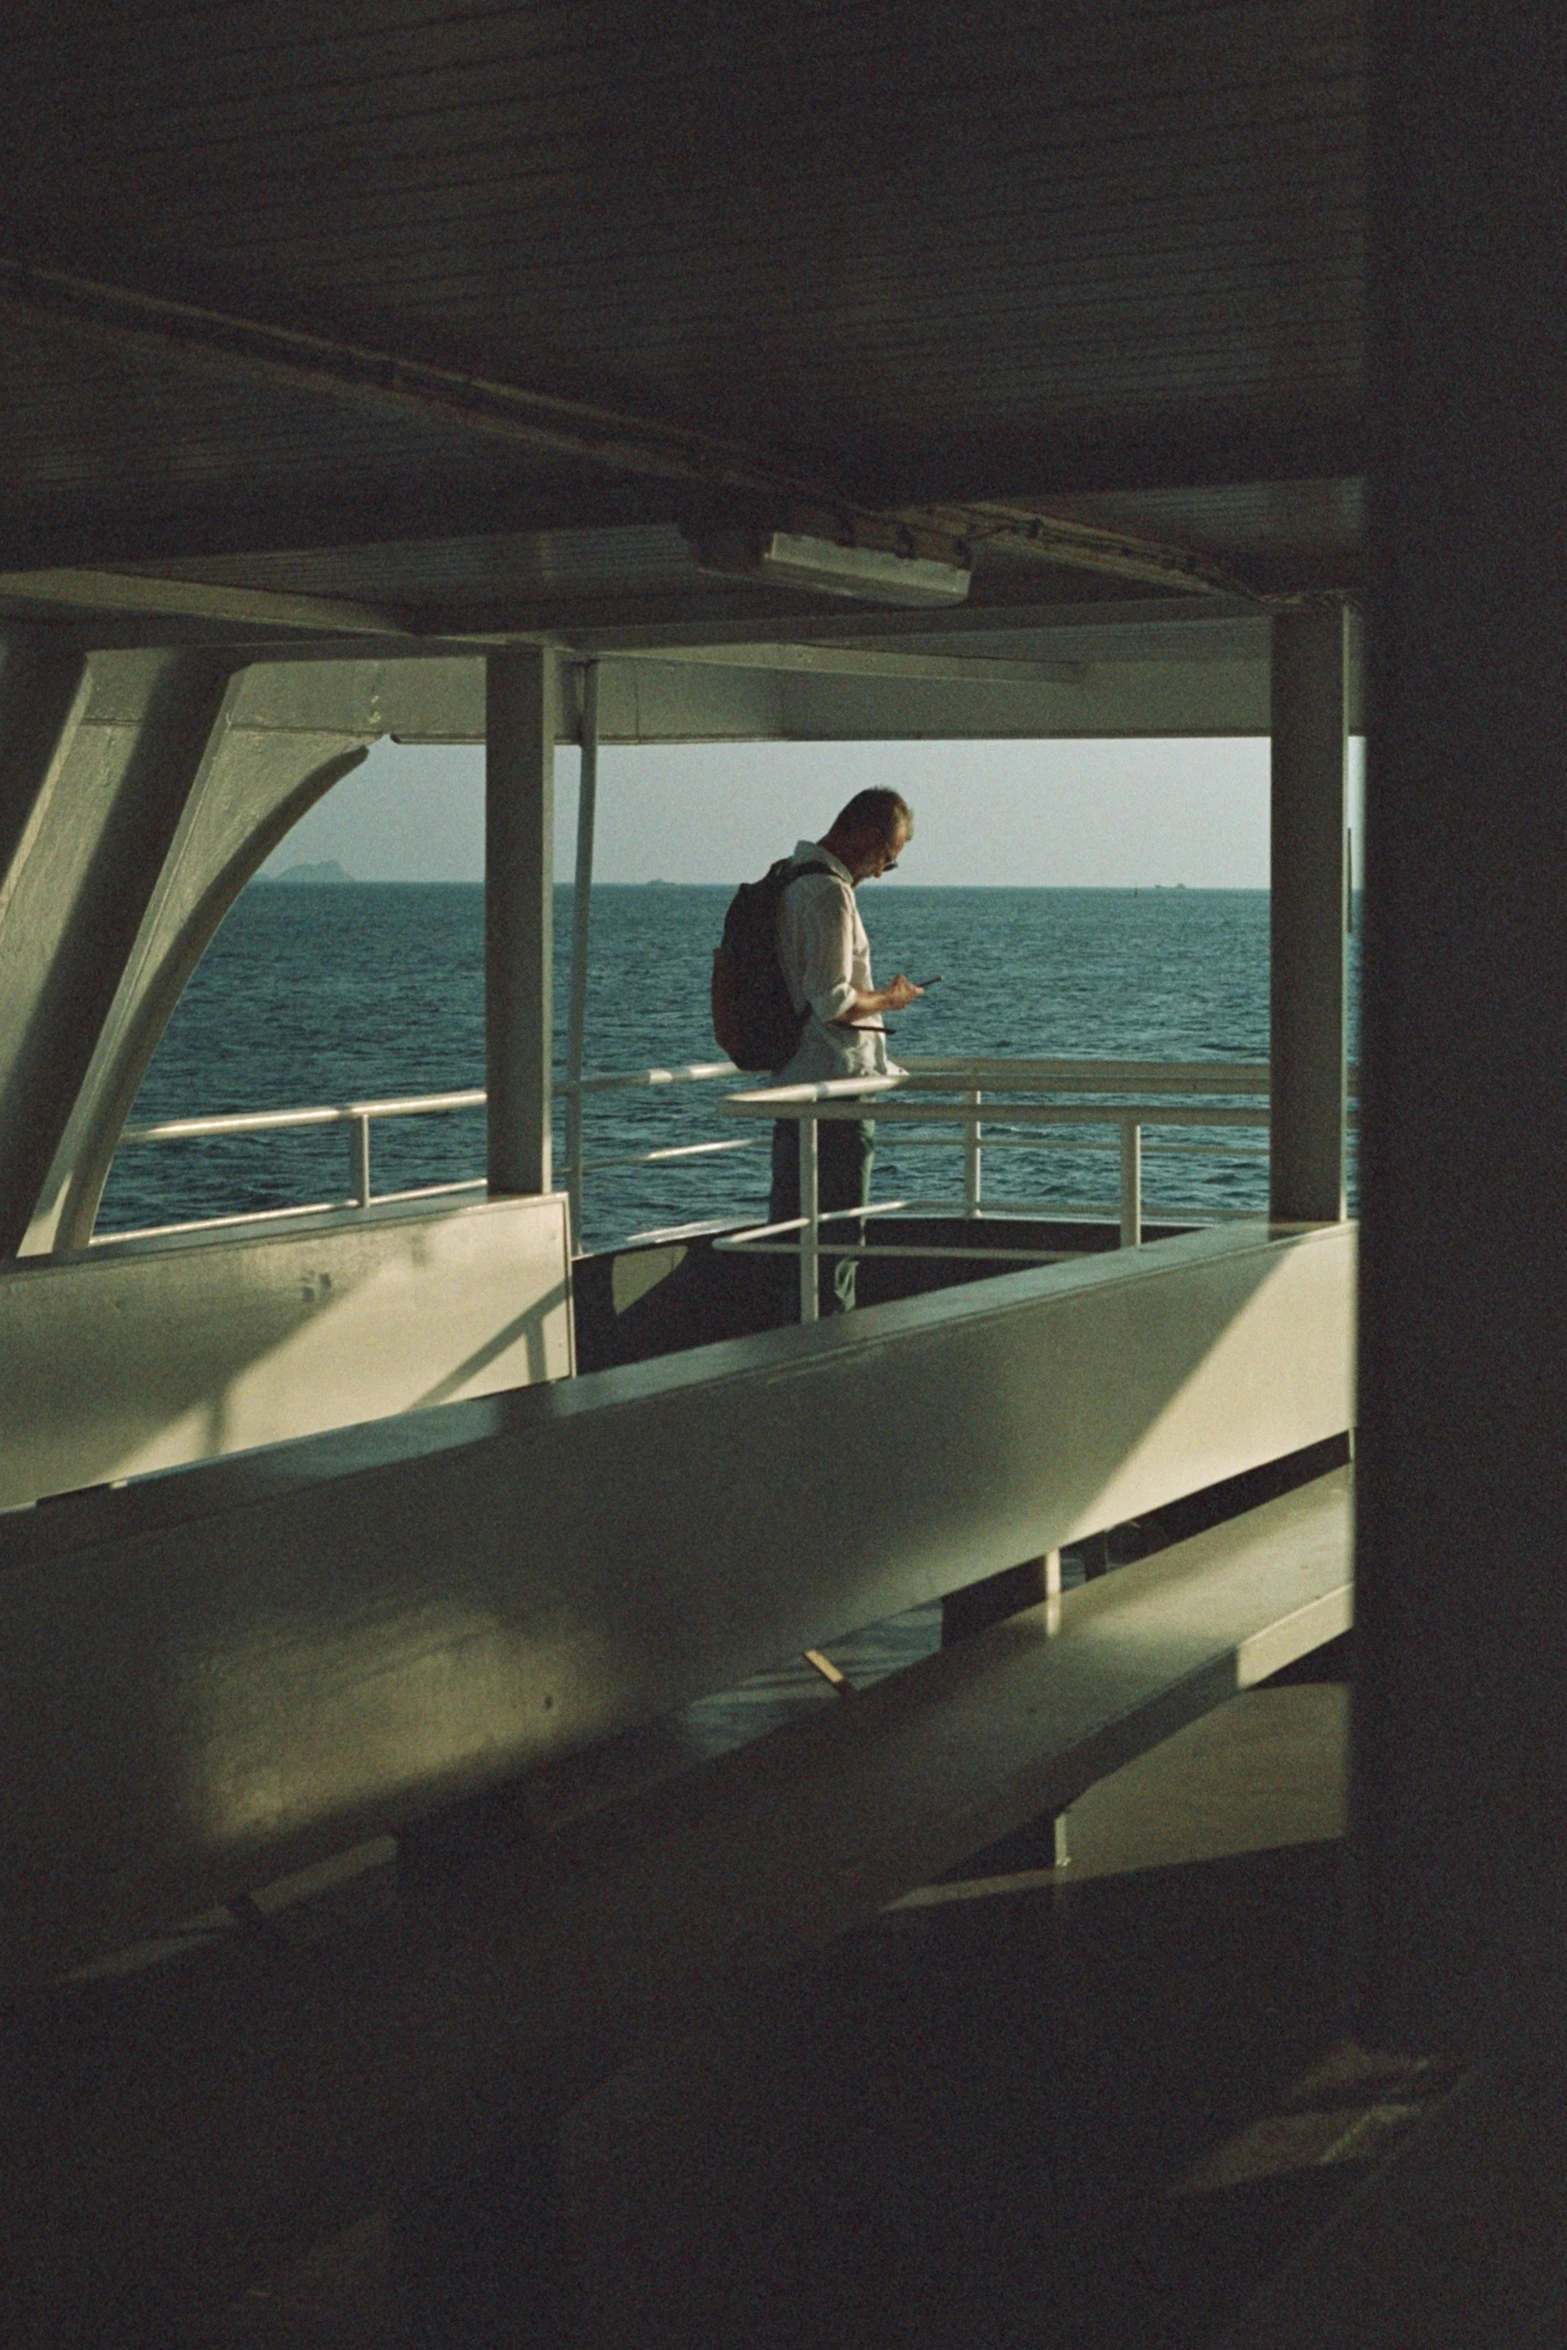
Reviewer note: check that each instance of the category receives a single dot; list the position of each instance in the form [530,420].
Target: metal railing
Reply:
[1208,1095]
[995,1103]
[357,1119]
[578,1165]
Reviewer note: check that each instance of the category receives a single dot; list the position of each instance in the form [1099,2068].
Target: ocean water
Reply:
[313,995]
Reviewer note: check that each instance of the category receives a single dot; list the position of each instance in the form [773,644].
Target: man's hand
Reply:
[891,998]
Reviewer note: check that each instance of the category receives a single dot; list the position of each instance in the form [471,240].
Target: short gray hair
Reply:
[876,810]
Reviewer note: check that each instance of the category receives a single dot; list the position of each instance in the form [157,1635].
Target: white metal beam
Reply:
[676,700]
[1177,621]
[848,660]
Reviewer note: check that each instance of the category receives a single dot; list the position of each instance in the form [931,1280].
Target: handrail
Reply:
[1169,1090]
[357,1117]
[412,1105]
[1062,1074]
[795,1102]
[1226,1094]
[690,1073]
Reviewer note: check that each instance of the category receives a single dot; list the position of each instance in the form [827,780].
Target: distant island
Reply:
[328,872]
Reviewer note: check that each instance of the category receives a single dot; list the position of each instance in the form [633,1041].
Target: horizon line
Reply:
[1100,888]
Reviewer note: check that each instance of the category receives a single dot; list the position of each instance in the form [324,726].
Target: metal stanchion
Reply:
[811,1231]
[1131,1183]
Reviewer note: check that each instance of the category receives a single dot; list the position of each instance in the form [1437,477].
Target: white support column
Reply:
[519,846]
[581,922]
[1309,911]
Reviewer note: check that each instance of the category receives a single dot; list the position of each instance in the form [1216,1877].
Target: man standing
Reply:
[826,960]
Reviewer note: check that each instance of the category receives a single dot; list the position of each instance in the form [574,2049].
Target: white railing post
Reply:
[359,1158]
[972,1157]
[1131,1183]
[811,1231]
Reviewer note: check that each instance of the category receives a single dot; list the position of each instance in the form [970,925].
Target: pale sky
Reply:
[1044,815]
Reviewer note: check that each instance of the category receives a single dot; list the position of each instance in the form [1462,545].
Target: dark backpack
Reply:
[754,1019]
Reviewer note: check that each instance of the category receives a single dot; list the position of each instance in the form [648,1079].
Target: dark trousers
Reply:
[845,1148]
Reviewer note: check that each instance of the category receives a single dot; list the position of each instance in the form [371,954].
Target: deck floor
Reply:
[961,2125]
[968,2124]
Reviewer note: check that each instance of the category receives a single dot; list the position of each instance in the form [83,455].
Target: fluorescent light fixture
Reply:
[877,575]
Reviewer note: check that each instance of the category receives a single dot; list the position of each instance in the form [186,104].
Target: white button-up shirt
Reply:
[826,958]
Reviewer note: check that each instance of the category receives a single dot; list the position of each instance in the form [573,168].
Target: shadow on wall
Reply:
[146,1356]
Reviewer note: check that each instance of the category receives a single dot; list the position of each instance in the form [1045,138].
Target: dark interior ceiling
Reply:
[464,308]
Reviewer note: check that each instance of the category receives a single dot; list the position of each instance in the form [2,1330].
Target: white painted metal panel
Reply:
[144,1355]
[261,1660]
